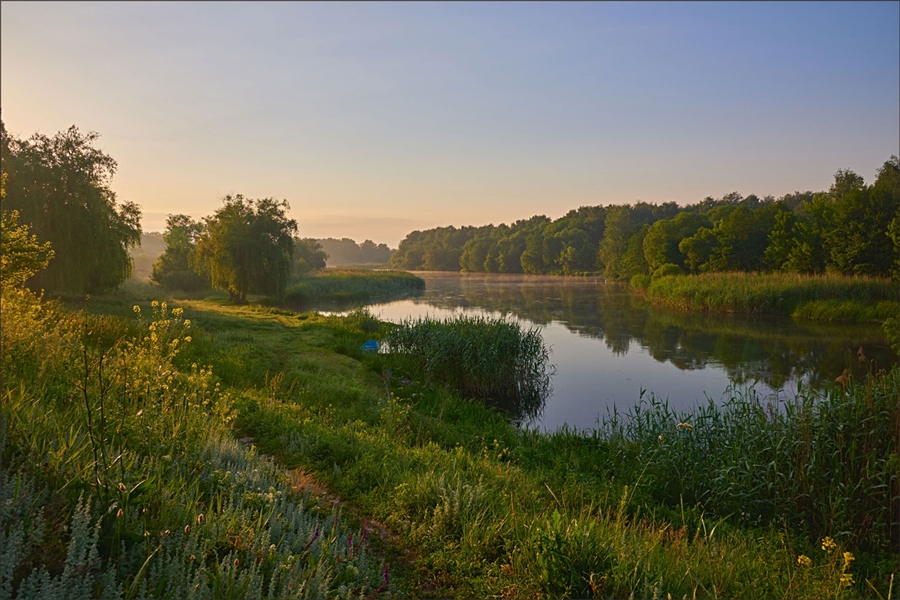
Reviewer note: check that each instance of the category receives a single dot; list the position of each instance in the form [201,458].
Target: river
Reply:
[609,347]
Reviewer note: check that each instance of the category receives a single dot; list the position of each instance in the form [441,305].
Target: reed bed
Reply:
[822,463]
[777,293]
[479,357]
[352,284]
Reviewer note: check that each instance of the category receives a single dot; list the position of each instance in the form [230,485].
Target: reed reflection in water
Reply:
[608,345]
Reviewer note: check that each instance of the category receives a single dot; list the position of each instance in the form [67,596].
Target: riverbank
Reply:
[469,505]
[819,297]
[351,285]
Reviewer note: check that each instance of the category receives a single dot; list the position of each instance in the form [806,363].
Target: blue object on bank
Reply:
[370,346]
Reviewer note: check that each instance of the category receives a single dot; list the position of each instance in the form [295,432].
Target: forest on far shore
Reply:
[853,228]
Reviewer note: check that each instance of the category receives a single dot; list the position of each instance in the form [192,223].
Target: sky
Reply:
[376,119]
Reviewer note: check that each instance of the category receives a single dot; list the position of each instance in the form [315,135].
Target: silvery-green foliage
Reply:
[82,562]
[23,525]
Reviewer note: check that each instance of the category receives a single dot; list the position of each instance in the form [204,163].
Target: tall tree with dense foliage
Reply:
[860,243]
[247,246]
[23,255]
[174,269]
[308,256]
[59,187]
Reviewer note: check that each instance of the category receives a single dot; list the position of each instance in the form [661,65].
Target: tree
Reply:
[859,242]
[175,269]
[308,256]
[59,187]
[23,255]
[246,247]
[661,244]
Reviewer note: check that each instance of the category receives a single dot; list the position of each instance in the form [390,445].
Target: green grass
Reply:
[121,476]
[470,505]
[352,285]
[826,297]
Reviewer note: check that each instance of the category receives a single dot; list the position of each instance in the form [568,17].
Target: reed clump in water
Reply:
[353,284]
[479,357]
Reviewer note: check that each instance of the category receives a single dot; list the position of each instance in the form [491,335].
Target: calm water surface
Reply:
[608,346]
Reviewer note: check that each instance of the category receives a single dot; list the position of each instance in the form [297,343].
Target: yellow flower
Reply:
[187,339]
[828,544]
[848,558]
[804,561]
[847,579]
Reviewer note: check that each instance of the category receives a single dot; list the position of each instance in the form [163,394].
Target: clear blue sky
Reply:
[374,119]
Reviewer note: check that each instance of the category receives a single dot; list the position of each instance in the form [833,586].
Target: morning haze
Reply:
[373,120]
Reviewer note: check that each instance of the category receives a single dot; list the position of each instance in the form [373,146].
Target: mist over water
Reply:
[608,345]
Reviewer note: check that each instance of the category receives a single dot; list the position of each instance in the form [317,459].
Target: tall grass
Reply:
[348,284]
[826,464]
[779,293]
[121,478]
[479,357]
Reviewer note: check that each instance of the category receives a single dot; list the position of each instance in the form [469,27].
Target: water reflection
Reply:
[775,351]
[609,345]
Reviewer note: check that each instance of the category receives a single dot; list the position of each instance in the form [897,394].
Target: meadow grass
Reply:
[826,297]
[472,506]
[351,284]
[121,477]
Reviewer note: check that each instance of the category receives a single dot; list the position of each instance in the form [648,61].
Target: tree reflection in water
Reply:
[773,350]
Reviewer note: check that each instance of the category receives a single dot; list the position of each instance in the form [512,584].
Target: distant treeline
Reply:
[347,252]
[853,228]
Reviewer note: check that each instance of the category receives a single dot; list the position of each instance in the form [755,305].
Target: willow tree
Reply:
[246,247]
[174,267]
[59,187]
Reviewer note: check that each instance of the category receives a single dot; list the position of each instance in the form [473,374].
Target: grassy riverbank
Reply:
[352,284]
[821,297]
[738,501]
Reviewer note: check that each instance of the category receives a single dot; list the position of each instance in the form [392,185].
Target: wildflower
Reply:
[187,528]
[122,487]
[804,561]
[828,544]
[136,309]
[187,339]
[200,519]
[847,579]
[848,558]
[120,514]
